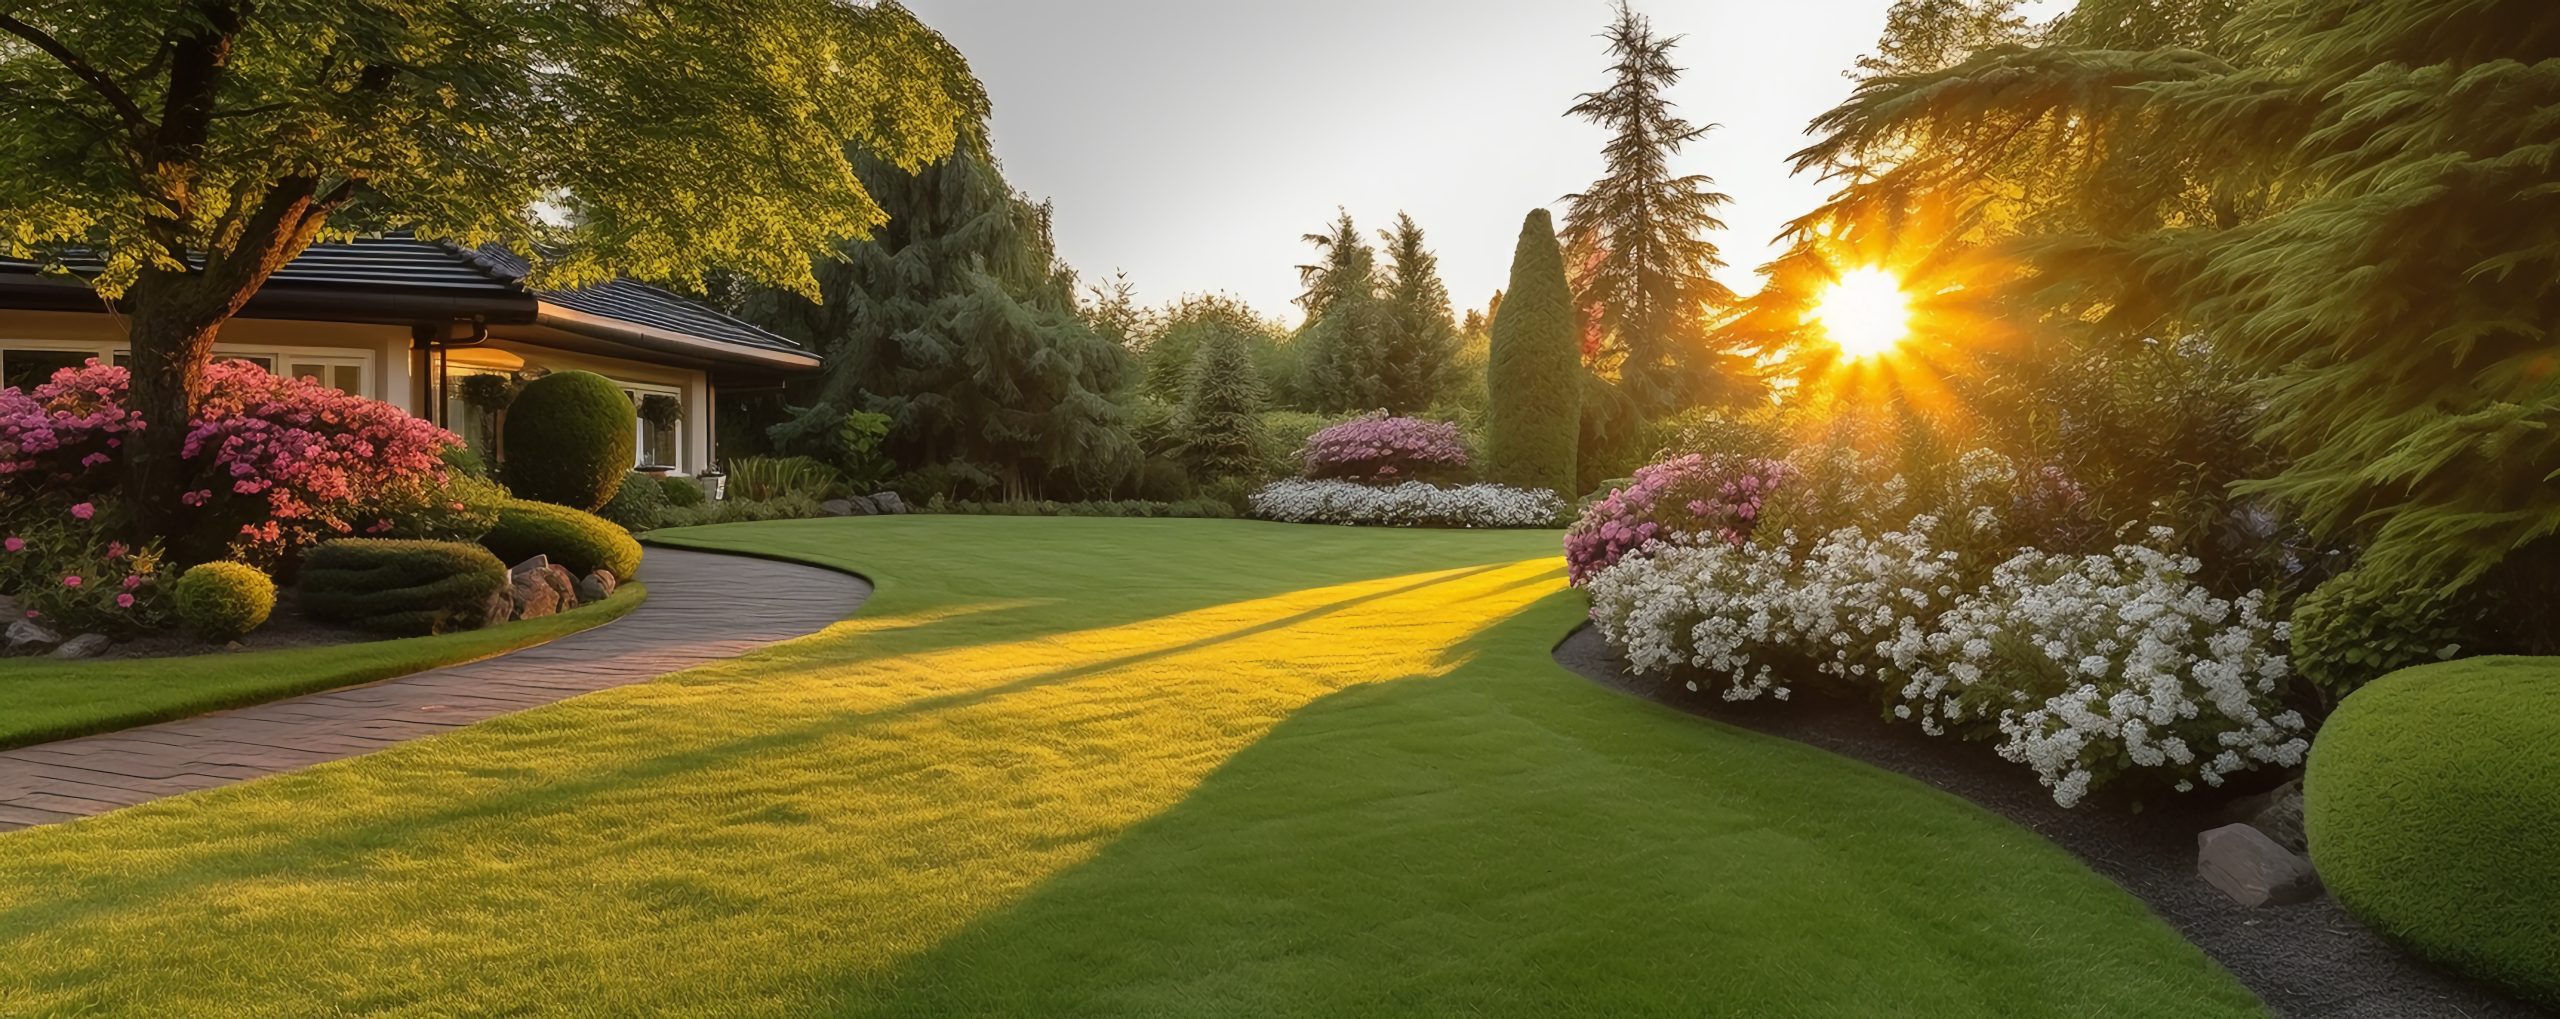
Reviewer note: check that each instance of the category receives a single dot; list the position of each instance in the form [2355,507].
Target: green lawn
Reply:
[1074,766]
[42,699]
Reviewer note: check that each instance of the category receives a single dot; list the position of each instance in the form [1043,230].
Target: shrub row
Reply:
[401,586]
[583,542]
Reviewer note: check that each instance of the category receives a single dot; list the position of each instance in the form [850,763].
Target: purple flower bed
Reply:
[1385,449]
[1690,496]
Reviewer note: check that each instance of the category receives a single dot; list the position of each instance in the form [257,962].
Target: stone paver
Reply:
[702,607]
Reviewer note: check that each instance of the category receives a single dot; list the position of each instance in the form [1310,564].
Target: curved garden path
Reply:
[702,607]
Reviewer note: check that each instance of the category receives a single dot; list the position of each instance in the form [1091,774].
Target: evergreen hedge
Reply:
[1533,384]
[583,542]
[2432,802]
[570,439]
[401,587]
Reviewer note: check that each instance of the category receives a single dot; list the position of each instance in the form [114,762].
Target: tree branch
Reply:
[106,87]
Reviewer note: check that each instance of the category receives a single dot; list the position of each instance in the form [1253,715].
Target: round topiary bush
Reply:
[583,542]
[2432,802]
[403,587]
[224,601]
[570,437]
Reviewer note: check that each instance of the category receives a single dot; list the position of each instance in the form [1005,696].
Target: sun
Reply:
[1866,313]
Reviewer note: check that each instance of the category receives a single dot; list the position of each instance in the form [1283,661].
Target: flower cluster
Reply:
[2087,668]
[1411,504]
[1384,449]
[67,571]
[275,463]
[1678,500]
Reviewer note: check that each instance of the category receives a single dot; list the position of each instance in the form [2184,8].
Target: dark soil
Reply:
[286,627]
[2304,960]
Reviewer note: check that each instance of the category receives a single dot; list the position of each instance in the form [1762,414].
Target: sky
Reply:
[1190,143]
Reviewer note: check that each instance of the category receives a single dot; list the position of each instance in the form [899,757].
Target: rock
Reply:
[237,646]
[564,584]
[889,502]
[87,645]
[605,578]
[500,607]
[28,636]
[836,507]
[2243,863]
[2276,813]
[529,565]
[862,506]
[592,590]
[532,595]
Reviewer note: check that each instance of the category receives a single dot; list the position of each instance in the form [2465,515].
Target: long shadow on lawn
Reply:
[1502,838]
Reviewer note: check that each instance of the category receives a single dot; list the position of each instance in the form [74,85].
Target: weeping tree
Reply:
[1420,337]
[1534,375]
[182,152]
[958,322]
[1636,240]
[2349,200]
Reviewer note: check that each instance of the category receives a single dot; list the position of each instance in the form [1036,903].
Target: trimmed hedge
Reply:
[583,542]
[570,439]
[223,601]
[2432,802]
[402,587]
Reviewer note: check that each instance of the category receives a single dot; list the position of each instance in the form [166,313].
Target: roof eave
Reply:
[664,341]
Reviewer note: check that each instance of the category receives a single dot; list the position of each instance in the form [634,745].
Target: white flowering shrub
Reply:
[1411,504]
[2086,668]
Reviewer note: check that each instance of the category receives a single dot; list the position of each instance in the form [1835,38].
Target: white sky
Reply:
[1191,142]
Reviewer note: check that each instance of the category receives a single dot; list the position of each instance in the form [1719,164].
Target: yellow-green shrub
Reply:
[223,601]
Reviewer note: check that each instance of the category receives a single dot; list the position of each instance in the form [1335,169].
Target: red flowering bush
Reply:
[1677,500]
[1384,449]
[274,464]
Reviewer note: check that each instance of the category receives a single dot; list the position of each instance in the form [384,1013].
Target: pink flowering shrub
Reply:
[1384,449]
[274,464]
[1681,500]
[67,571]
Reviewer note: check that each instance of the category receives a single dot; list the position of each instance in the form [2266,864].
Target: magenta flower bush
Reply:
[69,572]
[276,464]
[1679,500]
[1385,450]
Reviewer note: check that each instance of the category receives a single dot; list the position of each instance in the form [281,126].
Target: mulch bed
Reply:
[2310,959]
[286,627]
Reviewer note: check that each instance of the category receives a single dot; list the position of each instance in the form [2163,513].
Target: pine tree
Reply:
[1347,321]
[1181,330]
[1221,420]
[1643,269]
[1533,383]
[1414,352]
[957,320]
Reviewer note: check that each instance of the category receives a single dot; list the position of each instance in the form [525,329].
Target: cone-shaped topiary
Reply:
[570,437]
[402,587]
[223,601]
[1533,383]
[583,542]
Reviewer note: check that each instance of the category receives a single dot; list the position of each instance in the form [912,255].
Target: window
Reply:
[344,374]
[27,369]
[660,413]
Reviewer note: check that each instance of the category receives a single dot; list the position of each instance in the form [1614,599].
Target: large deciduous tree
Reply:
[1533,379]
[196,146]
[1636,240]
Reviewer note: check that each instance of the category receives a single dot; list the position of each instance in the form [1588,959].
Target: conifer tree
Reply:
[1221,420]
[1414,352]
[1643,270]
[1346,320]
[1533,381]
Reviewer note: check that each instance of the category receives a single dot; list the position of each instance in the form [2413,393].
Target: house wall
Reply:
[384,366]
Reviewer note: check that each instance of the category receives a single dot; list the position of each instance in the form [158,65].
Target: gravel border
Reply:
[2304,960]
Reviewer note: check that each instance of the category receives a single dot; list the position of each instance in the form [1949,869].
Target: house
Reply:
[406,321]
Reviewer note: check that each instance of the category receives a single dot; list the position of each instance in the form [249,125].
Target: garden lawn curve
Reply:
[1095,766]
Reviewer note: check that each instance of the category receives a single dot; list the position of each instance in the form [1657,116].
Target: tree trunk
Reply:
[171,327]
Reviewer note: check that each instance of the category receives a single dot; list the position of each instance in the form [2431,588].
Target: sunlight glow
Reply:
[1866,313]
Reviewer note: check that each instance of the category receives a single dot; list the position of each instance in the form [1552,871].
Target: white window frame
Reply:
[640,429]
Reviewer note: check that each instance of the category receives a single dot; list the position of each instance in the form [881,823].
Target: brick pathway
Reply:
[701,607]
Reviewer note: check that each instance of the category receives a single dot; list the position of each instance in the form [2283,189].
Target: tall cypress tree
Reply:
[1414,352]
[1346,320]
[1533,380]
[1221,422]
[1643,268]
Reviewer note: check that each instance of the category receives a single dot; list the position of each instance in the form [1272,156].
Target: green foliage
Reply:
[958,323]
[570,439]
[758,478]
[1533,380]
[848,442]
[403,586]
[583,542]
[1285,432]
[682,493]
[1347,322]
[786,506]
[1190,324]
[2361,625]
[1220,423]
[2432,801]
[641,503]
[223,601]
[1419,337]
[1164,481]
[489,390]
[1197,508]
[1643,268]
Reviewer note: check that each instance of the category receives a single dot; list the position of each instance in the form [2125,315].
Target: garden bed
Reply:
[2311,959]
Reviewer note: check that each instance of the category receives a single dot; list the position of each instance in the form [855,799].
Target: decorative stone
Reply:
[529,565]
[564,584]
[888,502]
[27,635]
[2276,813]
[862,507]
[591,590]
[836,507]
[605,578]
[500,608]
[2243,863]
[87,645]
[532,595]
